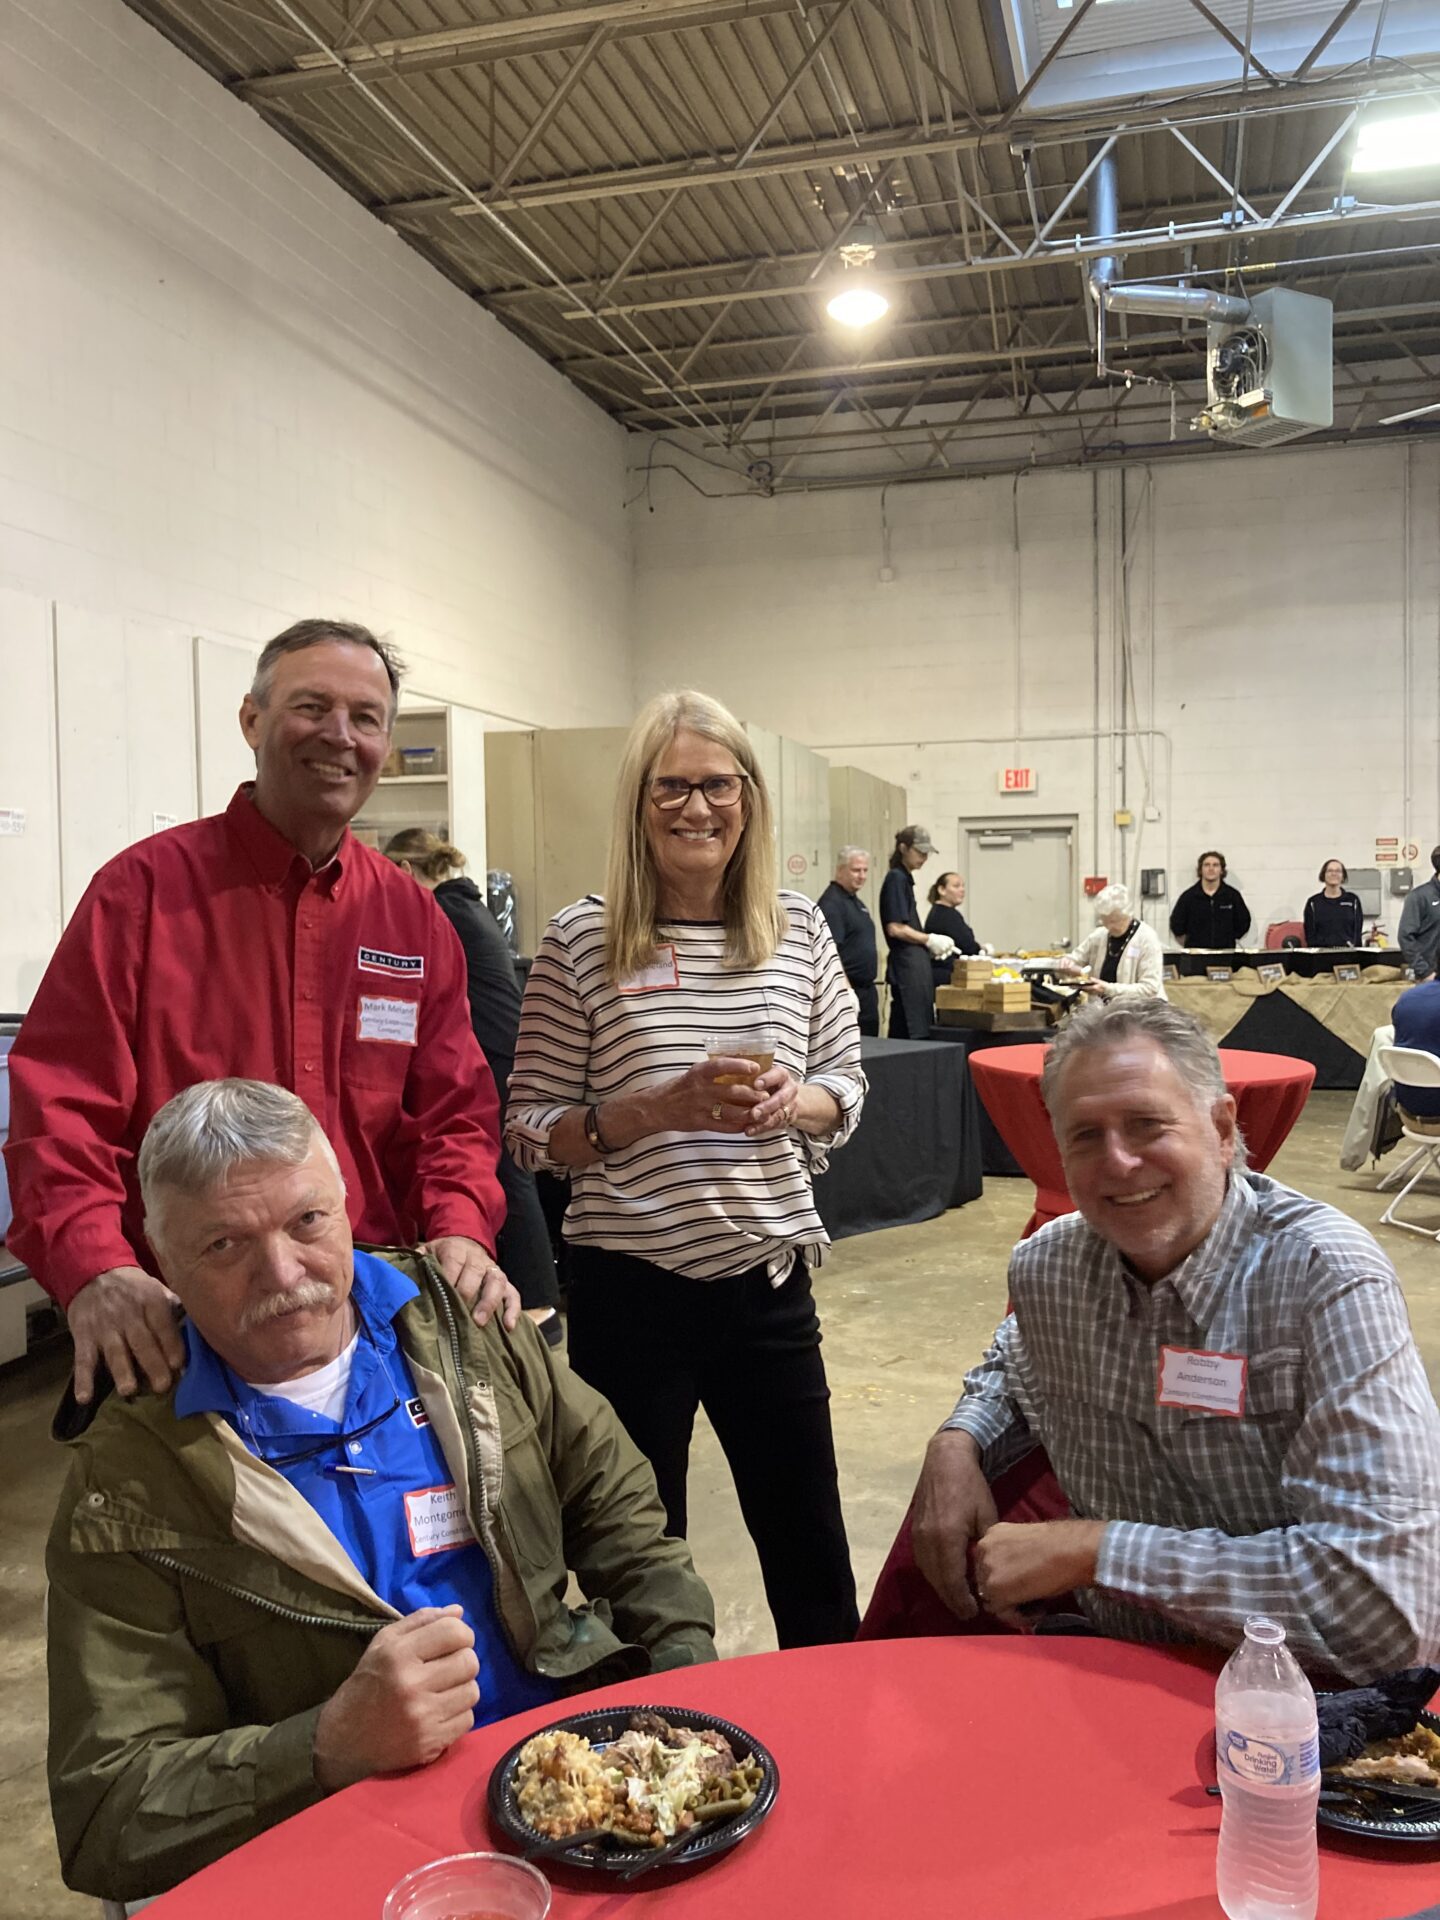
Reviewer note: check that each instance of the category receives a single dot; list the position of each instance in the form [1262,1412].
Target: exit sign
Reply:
[1016,780]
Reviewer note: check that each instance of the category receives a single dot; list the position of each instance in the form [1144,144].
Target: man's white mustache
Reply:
[275,1306]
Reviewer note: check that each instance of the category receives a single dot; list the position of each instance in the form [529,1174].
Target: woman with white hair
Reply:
[1123,956]
[692,1226]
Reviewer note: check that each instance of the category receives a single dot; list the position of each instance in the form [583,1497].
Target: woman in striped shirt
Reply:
[692,1226]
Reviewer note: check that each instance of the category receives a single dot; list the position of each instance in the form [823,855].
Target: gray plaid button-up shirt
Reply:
[1319,1505]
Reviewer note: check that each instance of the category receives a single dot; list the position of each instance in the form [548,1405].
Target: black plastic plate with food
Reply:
[1405,1825]
[612,1854]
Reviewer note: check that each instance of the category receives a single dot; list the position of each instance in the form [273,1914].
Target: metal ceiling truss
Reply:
[634,277]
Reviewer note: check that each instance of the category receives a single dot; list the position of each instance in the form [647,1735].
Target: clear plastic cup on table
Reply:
[470,1886]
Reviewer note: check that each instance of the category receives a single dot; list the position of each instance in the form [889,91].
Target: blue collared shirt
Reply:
[401,1517]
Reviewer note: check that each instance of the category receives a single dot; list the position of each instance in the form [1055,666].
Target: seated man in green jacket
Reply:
[341,1540]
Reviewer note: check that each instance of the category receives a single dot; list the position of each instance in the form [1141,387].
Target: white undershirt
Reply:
[320,1392]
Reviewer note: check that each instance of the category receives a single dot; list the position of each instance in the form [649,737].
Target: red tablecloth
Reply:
[1269,1088]
[920,1780]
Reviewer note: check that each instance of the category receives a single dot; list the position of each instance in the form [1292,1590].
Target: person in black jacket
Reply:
[1333,917]
[946,898]
[524,1248]
[1210,914]
[848,919]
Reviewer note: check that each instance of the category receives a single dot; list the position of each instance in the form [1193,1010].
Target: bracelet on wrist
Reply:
[592,1130]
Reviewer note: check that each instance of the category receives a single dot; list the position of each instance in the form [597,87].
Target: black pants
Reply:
[869,1007]
[912,993]
[523,1248]
[658,1345]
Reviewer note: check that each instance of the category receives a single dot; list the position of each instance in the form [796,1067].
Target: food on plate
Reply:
[654,1781]
[1411,1760]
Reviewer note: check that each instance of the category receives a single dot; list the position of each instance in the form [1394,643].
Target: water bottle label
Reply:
[1267,1763]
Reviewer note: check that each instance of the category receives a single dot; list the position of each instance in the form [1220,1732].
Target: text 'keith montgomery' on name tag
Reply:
[397,1021]
[1208,1382]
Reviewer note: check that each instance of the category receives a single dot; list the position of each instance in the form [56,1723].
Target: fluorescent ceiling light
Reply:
[857,306]
[1399,140]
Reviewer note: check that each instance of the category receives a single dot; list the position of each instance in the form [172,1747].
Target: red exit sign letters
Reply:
[1016,780]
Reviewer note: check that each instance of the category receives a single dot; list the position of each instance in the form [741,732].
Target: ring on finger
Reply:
[717,1112]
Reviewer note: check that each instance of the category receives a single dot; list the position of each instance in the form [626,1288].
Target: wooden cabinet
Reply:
[866,812]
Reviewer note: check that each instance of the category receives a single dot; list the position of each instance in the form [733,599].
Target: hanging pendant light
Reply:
[857,294]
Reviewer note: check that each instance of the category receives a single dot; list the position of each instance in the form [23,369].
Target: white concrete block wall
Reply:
[1271,608]
[229,397]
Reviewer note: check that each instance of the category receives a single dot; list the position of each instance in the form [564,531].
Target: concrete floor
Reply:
[905,1313]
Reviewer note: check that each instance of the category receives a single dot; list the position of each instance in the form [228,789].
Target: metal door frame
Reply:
[1066,823]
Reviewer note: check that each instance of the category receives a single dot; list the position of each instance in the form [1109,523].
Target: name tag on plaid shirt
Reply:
[1204,1382]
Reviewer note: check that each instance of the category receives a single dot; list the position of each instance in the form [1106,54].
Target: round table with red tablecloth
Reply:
[1270,1090]
[919,1780]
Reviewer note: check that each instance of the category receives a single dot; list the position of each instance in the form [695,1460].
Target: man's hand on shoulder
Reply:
[474,1275]
[412,1695]
[125,1317]
[1035,1560]
[953,1506]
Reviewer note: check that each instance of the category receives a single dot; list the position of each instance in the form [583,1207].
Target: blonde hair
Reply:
[755,922]
[426,852]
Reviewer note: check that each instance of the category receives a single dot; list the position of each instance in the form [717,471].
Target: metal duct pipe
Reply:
[1182,303]
[1104,220]
[1186,303]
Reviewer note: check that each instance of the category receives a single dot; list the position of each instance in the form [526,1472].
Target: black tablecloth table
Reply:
[996,1159]
[916,1151]
[1308,963]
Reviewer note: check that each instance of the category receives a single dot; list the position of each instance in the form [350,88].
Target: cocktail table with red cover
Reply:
[1270,1090]
[919,1780]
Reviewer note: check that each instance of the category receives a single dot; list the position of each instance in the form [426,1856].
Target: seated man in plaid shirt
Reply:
[1221,1372]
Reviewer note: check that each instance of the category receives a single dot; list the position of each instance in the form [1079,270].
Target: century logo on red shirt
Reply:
[409,966]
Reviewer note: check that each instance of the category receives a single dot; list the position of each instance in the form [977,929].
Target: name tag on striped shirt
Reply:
[1205,1382]
[663,971]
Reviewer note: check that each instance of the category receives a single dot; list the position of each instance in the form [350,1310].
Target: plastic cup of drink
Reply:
[470,1886]
[755,1043]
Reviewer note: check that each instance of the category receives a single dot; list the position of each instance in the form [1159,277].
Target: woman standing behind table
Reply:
[1123,956]
[692,1226]
[909,972]
[1210,914]
[524,1249]
[1334,917]
[946,898]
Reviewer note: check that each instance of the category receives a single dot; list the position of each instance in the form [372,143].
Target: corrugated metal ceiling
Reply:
[684,167]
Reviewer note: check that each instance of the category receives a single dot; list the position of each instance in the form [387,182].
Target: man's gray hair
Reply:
[318,633]
[202,1135]
[1114,899]
[847,854]
[1179,1036]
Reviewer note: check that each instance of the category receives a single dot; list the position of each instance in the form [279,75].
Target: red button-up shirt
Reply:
[216,949]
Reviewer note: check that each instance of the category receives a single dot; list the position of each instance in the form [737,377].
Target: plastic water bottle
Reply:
[1268,1760]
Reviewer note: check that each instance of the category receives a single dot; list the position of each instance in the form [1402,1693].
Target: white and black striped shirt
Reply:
[702,1204]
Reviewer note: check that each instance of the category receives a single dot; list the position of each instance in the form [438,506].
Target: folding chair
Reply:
[1409,1067]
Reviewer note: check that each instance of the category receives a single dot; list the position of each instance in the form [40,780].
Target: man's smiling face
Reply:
[1145,1162]
[320,739]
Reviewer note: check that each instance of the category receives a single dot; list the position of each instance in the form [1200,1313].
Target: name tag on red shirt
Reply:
[1205,1382]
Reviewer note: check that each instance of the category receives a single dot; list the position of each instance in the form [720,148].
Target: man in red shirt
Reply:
[264,942]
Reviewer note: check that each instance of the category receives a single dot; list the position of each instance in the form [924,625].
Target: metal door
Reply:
[1020,882]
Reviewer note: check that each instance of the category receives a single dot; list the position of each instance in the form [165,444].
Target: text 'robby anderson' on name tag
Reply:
[1206,1382]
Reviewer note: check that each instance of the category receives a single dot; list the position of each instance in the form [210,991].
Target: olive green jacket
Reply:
[201,1612]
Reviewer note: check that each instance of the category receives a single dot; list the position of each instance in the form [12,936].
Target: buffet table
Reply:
[916,1151]
[1300,963]
[1270,1092]
[1328,1022]
[1008,1778]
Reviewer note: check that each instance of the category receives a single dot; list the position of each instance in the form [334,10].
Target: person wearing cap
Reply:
[1420,924]
[908,971]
